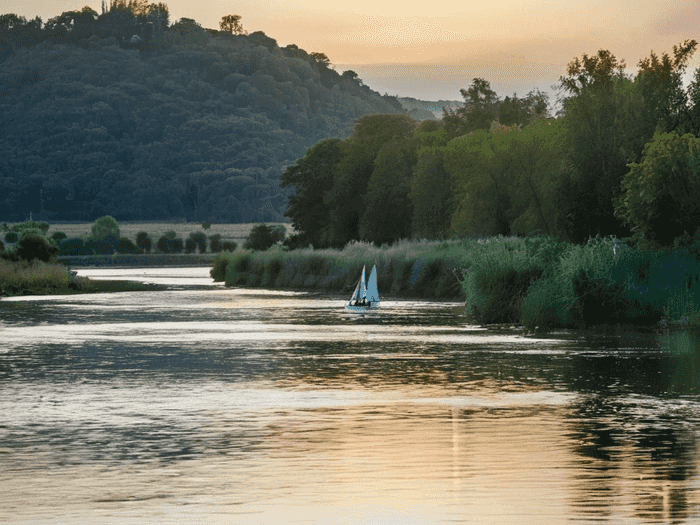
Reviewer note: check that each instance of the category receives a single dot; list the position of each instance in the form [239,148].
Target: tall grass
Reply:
[539,282]
[407,268]
[19,278]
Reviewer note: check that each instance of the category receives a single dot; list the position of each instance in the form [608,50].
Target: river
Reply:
[199,403]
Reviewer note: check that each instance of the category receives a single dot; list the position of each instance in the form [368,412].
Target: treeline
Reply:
[125,114]
[619,158]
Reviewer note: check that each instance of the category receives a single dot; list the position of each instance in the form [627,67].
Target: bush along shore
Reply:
[538,282]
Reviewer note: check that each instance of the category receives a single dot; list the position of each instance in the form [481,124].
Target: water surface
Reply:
[205,404]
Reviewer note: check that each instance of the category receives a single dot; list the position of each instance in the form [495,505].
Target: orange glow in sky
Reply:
[431,49]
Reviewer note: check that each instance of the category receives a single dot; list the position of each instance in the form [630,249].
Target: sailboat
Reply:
[366,296]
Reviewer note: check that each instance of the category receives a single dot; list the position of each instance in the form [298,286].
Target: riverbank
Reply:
[418,269]
[138,260]
[39,278]
[537,282]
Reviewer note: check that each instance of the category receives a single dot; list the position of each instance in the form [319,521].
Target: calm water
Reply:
[205,404]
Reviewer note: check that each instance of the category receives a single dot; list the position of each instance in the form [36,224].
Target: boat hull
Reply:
[352,308]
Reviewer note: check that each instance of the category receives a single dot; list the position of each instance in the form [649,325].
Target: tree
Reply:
[479,110]
[263,237]
[661,83]
[35,246]
[312,178]
[388,210]
[321,59]
[431,195]
[351,75]
[601,113]
[143,242]
[232,24]
[660,193]
[105,227]
[346,200]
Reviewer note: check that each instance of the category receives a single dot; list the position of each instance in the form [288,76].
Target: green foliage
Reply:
[143,242]
[58,237]
[232,24]
[105,227]
[388,208]
[346,199]
[127,246]
[11,237]
[73,246]
[431,195]
[35,246]
[263,237]
[160,129]
[206,225]
[23,277]
[215,243]
[40,227]
[218,271]
[498,274]
[165,244]
[190,245]
[312,178]
[660,199]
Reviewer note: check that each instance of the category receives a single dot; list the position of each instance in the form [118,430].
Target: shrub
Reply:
[200,241]
[178,245]
[263,237]
[105,228]
[228,246]
[104,246]
[206,225]
[22,227]
[218,271]
[11,237]
[165,244]
[143,242]
[73,246]
[58,237]
[215,243]
[35,246]
[190,245]
[127,246]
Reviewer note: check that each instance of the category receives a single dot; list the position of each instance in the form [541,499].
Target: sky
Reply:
[431,49]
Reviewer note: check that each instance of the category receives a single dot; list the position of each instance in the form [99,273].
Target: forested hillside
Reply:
[621,158]
[125,114]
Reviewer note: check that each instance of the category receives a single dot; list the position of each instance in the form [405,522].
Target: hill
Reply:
[177,122]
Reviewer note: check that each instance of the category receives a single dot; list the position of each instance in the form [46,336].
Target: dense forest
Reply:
[125,114]
[620,157]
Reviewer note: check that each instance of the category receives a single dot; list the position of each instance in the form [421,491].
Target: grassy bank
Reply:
[39,278]
[409,269]
[538,282]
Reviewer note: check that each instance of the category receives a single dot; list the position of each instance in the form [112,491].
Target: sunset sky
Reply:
[430,50]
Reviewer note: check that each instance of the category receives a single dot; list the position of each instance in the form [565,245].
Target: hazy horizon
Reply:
[430,52]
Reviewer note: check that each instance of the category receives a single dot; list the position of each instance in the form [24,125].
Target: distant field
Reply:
[229,232]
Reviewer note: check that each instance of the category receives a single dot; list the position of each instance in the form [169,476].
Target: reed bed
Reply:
[538,282]
[21,278]
[408,268]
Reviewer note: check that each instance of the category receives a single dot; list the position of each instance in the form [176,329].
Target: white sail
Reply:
[366,296]
[359,292]
[372,291]
[363,290]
